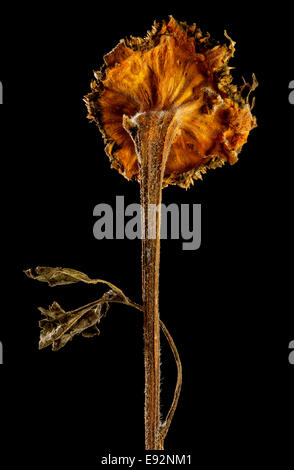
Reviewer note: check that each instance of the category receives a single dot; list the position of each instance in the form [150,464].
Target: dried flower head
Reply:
[174,69]
[167,110]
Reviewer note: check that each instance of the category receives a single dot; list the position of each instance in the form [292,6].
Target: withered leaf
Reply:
[56,276]
[58,327]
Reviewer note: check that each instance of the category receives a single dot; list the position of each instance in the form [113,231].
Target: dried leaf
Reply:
[57,276]
[60,326]
[62,276]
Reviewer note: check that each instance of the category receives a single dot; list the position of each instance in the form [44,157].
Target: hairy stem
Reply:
[151,134]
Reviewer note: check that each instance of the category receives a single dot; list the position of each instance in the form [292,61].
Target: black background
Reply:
[227,305]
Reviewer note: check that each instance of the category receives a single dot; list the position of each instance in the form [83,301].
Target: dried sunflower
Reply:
[177,71]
